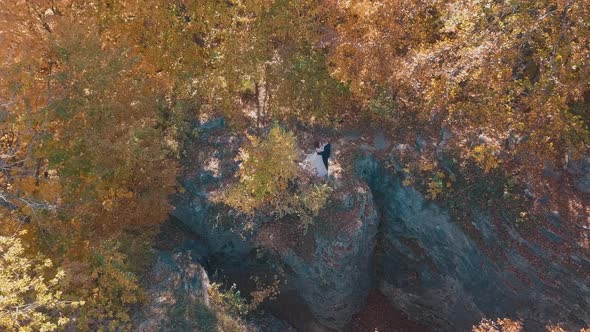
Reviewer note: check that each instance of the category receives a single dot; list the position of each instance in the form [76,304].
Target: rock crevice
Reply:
[435,272]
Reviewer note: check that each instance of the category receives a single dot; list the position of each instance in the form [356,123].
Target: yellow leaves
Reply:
[27,184]
[50,190]
[407,176]
[90,149]
[426,166]
[407,182]
[28,301]
[30,186]
[107,285]
[108,204]
[316,198]
[58,276]
[471,62]
[270,181]
[124,193]
[267,166]
[436,185]
[455,91]
[485,156]
[230,300]
[47,263]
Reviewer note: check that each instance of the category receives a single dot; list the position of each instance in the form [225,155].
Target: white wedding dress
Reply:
[315,162]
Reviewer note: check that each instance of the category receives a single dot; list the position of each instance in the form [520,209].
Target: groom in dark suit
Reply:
[325,153]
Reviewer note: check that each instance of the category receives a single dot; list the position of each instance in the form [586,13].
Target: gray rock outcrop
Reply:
[376,232]
[177,293]
[334,280]
[580,170]
[178,300]
[332,276]
[433,270]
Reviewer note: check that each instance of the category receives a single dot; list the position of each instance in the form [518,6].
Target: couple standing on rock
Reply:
[318,161]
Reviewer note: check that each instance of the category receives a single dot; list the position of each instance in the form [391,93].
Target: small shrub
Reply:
[267,168]
[436,185]
[109,286]
[270,181]
[229,301]
[485,157]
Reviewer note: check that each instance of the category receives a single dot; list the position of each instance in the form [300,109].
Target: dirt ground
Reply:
[380,316]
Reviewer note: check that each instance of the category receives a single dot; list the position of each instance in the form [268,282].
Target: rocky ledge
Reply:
[377,233]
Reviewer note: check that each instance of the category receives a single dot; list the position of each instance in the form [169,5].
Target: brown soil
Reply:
[379,315]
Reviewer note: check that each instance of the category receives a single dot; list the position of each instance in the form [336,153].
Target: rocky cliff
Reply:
[178,295]
[436,272]
[329,267]
[333,277]
[377,233]
[178,299]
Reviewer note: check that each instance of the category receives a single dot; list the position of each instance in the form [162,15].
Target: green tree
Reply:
[270,181]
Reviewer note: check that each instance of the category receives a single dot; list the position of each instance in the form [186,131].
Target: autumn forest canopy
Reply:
[99,101]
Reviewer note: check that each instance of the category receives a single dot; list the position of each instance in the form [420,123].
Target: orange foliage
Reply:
[473,66]
[87,158]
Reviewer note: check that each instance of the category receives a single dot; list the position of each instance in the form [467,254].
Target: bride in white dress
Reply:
[315,162]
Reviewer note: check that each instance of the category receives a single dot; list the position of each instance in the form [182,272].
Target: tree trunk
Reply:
[257,93]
